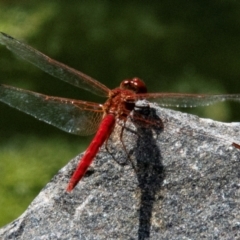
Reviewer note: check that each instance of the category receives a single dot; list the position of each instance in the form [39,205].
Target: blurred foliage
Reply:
[27,164]
[175,46]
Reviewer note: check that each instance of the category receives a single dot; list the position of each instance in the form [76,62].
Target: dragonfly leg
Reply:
[125,148]
[109,152]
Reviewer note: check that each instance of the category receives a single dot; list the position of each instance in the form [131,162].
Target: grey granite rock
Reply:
[186,186]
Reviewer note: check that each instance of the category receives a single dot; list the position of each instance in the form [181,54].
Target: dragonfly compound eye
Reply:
[134,84]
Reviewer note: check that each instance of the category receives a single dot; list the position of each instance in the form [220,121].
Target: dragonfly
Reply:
[83,117]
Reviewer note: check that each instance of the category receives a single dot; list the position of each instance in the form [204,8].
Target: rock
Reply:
[186,185]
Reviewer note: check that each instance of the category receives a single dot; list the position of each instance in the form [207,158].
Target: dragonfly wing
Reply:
[54,67]
[73,116]
[187,100]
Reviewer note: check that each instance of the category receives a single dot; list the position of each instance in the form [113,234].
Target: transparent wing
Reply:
[73,116]
[187,100]
[54,67]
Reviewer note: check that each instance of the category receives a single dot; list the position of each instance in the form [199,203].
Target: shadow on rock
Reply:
[150,171]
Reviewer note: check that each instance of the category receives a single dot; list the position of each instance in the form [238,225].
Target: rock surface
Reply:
[186,186]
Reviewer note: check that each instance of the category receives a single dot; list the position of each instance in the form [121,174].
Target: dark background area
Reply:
[174,46]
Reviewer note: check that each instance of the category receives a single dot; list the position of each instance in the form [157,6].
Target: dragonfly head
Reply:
[135,84]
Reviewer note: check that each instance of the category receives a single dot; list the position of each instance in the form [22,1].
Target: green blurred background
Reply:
[175,46]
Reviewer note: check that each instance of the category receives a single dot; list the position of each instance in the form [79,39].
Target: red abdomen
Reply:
[104,131]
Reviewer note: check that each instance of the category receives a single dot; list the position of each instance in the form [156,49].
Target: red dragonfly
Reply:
[85,118]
